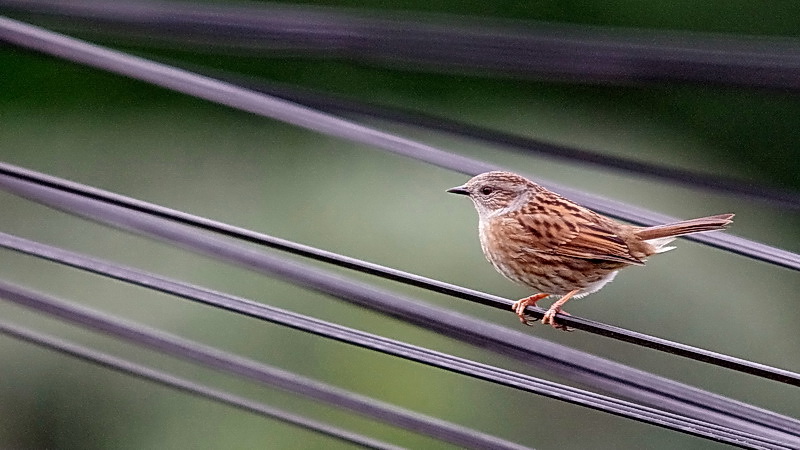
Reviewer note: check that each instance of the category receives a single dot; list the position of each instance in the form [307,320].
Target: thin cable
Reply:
[187,386]
[75,50]
[255,371]
[448,322]
[588,54]
[208,356]
[340,105]
[64,197]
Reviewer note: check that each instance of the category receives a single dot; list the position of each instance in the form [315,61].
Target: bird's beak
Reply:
[458,190]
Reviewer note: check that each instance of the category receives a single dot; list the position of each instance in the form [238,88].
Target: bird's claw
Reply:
[519,307]
[527,320]
[549,318]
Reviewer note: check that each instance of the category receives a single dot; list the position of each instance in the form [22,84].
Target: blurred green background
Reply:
[148,143]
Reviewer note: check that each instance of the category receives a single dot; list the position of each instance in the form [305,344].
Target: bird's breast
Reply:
[509,249]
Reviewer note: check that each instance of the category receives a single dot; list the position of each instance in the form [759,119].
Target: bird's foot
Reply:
[549,318]
[519,306]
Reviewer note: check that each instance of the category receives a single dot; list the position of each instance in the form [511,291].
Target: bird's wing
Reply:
[575,236]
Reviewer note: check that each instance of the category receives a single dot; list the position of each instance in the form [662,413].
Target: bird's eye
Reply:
[486,190]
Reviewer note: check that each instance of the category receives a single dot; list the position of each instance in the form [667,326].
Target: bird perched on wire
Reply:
[540,239]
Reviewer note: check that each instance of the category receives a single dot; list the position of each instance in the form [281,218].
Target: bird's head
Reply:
[496,192]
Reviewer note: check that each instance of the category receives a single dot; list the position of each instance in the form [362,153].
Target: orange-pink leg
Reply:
[519,306]
[550,316]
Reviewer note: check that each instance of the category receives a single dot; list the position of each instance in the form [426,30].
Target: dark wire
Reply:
[211,357]
[565,53]
[187,386]
[35,38]
[450,323]
[340,105]
[253,370]
[72,197]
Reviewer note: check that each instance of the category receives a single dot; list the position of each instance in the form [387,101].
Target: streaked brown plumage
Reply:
[540,239]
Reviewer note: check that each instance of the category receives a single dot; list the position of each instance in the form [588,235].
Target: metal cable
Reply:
[516,142]
[253,370]
[187,386]
[586,54]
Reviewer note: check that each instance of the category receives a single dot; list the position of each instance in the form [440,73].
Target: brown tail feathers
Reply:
[710,223]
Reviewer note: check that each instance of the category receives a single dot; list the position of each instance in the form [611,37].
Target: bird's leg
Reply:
[519,306]
[555,308]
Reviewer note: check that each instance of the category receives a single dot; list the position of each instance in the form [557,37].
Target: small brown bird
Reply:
[540,239]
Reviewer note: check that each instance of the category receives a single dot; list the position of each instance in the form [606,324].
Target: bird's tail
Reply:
[661,235]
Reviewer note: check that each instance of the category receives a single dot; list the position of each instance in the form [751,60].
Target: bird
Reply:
[541,240]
